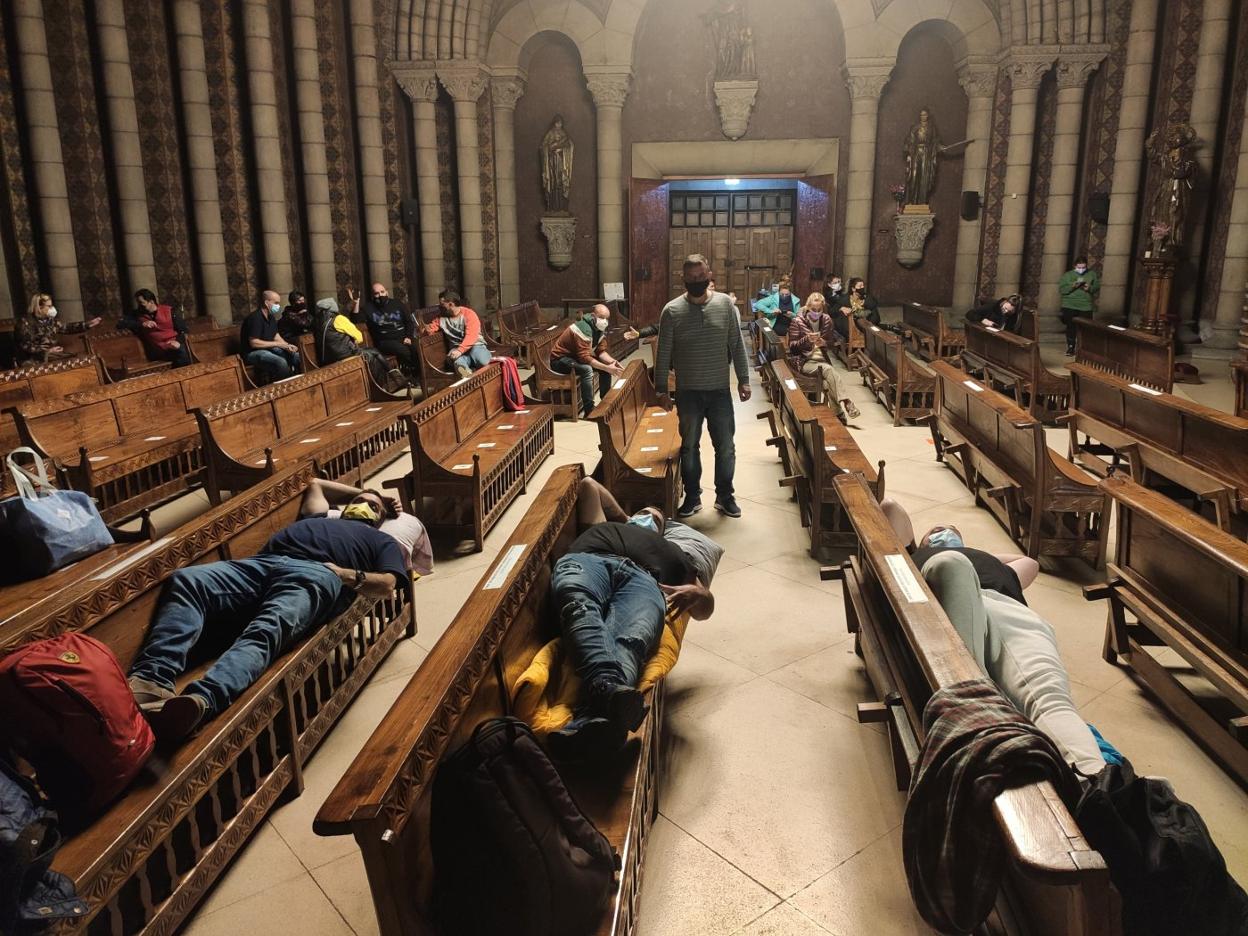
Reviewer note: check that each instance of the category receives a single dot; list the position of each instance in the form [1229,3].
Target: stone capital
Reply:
[464,81]
[867,82]
[1073,71]
[417,79]
[609,88]
[506,90]
[978,81]
[1027,72]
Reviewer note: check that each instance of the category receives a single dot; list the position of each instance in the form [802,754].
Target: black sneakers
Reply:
[728,507]
[691,505]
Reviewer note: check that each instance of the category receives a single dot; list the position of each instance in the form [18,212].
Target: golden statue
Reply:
[923,150]
[1171,150]
[556,155]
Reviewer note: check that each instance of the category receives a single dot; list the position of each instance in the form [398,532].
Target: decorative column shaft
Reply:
[610,89]
[505,91]
[420,83]
[323,280]
[1128,157]
[368,128]
[1072,80]
[465,81]
[47,160]
[1230,301]
[866,84]
[1026,74]
[979,82]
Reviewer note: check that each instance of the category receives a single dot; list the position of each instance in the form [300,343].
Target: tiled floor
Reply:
[777,816]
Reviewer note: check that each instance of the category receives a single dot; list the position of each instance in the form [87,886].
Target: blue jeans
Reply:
[269,601]
[584,378]
[476,358]
[274,363]
[714,407]
[610,613]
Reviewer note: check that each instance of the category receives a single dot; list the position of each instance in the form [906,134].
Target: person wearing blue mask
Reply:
[264,348]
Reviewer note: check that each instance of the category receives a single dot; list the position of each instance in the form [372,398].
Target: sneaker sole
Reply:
[689,513]
[726,513]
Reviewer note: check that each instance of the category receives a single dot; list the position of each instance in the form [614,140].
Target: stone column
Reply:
[322,277]
[1128,157]
[123,122]
[505,91]
[420,84]
[866,84]
[368,128]
[609,87]
[464,82]
[1230,300]
[267,145]
[979,81]
[201,159]
[1025,75]
[47,160]
[1073,72]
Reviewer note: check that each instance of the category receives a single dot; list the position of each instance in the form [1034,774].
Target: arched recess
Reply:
[969,27]
[597,43]
[437,29]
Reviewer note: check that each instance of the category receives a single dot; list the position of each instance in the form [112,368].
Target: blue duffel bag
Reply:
[44,529]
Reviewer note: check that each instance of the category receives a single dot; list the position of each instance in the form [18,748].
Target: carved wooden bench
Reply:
[1133,355]
[335,416]
[122,353]
[815,448]
[144,864]
[1013,362]
[619,346]
[1178,581]
[927,329]
[519,324]
[1201,450]
[561,391]
[384,799]
[1045,502]
[1239,374]
[640,443]
[131,444]
[903,384]
[1055,882]
[847,341]
[470,455]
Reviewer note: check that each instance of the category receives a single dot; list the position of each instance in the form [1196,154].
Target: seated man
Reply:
[305,575]
[466,349]
[612,590]
[391,325]
[582,349]
[162,331]
[263,345]
[808,338]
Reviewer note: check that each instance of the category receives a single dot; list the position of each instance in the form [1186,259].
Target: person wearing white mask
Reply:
[38,332]
[581,350]
[1078,288]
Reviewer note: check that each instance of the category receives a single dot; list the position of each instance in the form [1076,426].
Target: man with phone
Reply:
[1078,288]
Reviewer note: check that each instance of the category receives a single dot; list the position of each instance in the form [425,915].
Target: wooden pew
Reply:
[335,416]
[1239,373]
[929,333]
[847,339]
[147,861]
[132,444]
[640,443]
[1134,355]
[1177,580]
[1055,882]
[815,448]
[123,354]
[1203,450]
[470,455]
[1008,360]
[519,324]
[384,799]
[768,346]
[1046,504]
[903,384]
[560,391]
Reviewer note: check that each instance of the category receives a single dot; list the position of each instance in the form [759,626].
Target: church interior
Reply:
[624,468]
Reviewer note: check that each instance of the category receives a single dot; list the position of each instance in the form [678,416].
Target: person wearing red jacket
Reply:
[162,331]
[466,350]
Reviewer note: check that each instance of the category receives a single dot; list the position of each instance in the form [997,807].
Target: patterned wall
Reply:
[1102,117]
[17,225]
[392,99]
[287,130]
[489,205]
[448,195]
[339,152]
[1041,181]
[994,188]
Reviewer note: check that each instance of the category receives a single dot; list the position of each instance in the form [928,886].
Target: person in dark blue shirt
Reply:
[305,575]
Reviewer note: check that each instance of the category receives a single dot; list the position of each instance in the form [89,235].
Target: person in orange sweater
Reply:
[582,349]
[466,350]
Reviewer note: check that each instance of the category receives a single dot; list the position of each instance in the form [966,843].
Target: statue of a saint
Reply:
[1171,150]
[923,150]
[734,41]
[556,155]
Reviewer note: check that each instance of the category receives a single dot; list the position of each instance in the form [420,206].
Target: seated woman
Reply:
[857,304]
[808,337]
[1000,313]
[39,332]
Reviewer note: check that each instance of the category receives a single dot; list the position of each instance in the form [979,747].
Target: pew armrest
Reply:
[1098,591]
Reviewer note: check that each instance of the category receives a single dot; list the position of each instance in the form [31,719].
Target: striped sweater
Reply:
[700,341]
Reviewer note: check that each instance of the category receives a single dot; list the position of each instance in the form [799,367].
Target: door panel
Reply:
[648,250]
[813,251]
[712,243]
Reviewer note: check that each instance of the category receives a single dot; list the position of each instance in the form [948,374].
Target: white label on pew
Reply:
[649,448]
[130,560]
[1149,390]
[659,412]
[644,470]
[1118,327]
[154,438]
[829,448]
[373,409]
[765,328]
[875,328]
[349,422]
[461,380]
[95,458]
[504,567]
[459,467]
[310,441]
[791,383]
[905,579]
[507,426]
[486,444]
[973,385]
[553,327]
[619,384]
[653,431]
[520,411]
[991,328]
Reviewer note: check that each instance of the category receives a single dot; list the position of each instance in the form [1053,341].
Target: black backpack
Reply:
[512,852]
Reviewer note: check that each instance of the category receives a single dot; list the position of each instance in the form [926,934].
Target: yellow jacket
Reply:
[348,327]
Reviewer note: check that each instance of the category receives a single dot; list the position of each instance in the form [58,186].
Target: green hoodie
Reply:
[1079,300]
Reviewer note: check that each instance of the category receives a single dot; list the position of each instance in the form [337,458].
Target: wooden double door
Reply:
[745,260]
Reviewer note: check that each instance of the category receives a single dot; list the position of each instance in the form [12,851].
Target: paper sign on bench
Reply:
[95,458]
[504,567]
[154,438]
[974,386]
[373,409]
[309,441]
[349,422]
[875,328]
[486,444]
[552,327]
[507,426]
[1149,390]
[791,383]
[829,448]
[130,560]
[649,448]
[653,431]
[460,467]
[644,470]
[520,412]
[619,384]
[904,577]
[990,328]
[1118,327]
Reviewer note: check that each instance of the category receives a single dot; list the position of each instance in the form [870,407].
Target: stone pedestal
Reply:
[735,100]
[560,234]
[911,228]
[1155,317]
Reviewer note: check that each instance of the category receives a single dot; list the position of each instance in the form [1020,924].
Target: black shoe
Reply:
[590,741]
[147,693]
[624,706]
[692,504]
[728,507]
[176,718]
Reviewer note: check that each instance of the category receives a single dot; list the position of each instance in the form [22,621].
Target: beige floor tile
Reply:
[688,889]
[276,910]
[700,675]
[403,660]
[834,677]
[439,599]
[763,621]
[759,534]
[265,862]
[764,777]
[866,894]
[901,442]
[923,476]
[799,566]
[345,883]
[783,920]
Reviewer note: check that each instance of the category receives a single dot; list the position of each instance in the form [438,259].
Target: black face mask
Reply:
[697,290]
[379,298]
[861,290]
[300,306]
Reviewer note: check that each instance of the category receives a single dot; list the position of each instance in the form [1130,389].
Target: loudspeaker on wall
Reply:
[1098,207]
[409,210]
[970,206]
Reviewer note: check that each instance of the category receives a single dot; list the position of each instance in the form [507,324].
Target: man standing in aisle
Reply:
[1078,288]
[700,335]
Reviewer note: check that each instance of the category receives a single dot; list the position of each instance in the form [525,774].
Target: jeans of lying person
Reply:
[584,378]
[263,604]
[1018,650]
[713,407]
[610,615]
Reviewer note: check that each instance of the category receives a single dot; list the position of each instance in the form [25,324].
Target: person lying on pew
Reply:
[39,332]
[612,590]
[582,349]
[999,313]
[809,335]
[162,331]
[466,348]
[305,575]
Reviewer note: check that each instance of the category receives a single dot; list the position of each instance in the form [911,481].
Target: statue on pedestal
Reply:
[556,155]
[923,151]
[1170,149]
[734,41]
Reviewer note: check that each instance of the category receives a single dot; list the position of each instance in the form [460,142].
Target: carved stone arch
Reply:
[527,18]
[970,28]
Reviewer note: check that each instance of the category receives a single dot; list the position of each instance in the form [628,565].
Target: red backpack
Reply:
[513,389]
[67,710]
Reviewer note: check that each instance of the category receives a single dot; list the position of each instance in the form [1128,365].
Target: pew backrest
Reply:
[121,352]
[447,419]
[50,381]
[1136,356]
[931,331]
[212,344]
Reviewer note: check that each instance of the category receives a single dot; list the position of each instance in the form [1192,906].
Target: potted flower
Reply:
[1159,234]
[898,191]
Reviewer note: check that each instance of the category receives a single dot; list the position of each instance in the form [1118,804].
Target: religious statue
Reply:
[556,156]
[734,41]
[1170,149]
[923,150]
